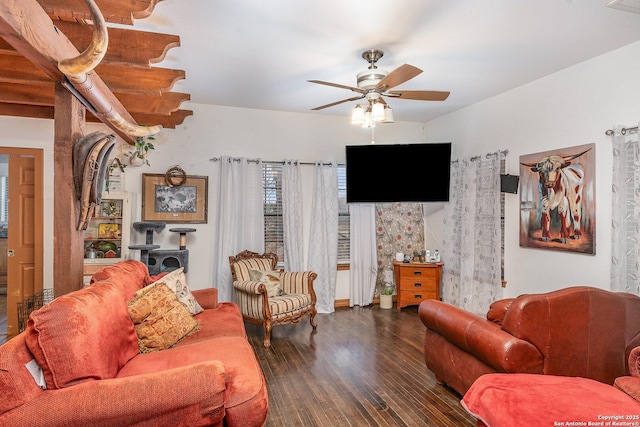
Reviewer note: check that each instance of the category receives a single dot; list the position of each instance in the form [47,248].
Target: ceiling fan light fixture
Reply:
[377,112]
[388,115]
[357,115]
[367,122]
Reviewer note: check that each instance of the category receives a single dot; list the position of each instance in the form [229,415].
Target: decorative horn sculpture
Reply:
[78,70]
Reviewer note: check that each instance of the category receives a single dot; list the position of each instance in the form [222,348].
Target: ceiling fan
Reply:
[374,83]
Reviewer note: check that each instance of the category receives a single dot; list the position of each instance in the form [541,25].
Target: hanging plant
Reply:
[142,147]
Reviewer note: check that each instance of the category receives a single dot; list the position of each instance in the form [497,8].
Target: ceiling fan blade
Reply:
[355,98]
[398,76]
[351,88]
[419,95]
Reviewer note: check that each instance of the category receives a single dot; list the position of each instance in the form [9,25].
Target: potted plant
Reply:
[386,296]
[142,147]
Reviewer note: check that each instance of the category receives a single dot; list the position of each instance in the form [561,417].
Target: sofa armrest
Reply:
[480,337]
[189,395]
[207,298]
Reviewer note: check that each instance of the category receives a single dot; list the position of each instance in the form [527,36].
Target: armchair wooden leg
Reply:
[267,334]
[313,314]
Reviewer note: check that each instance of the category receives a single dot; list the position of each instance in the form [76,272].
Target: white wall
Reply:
[572,107]
[211,132]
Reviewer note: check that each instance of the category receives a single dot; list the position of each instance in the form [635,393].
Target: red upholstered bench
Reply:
[497,400]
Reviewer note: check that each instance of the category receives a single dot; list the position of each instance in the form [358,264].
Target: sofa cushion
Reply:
[246,400]
[177,282]
[82,336]
[130,274]
[271,280]
[160,319]
[17,385]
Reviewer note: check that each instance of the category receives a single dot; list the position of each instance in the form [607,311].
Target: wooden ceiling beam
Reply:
[126,46]
[163,104]
[118,77]
[38,40]
[127,78]
[116,11]
[46,112]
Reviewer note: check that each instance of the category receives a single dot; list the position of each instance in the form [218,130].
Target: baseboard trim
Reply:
[345,302]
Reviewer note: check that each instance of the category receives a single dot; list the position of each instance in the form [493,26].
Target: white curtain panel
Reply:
[292,216]
[323,240]
[239,215]
[363,268]
[471,252]
[625,208]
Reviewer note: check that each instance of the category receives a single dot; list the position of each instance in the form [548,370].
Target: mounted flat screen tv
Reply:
[398,173]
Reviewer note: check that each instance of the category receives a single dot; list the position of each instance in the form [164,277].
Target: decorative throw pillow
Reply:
[83,335]
[177,282]
[160,319]
[271,280]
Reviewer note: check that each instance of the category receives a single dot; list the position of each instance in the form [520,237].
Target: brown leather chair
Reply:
[579,331]
[288,301]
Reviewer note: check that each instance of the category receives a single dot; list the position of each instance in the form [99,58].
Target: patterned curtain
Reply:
[239,213]
[292,216]
[364,265]
[471,243]
[323,241]
[399,228]
[625,208]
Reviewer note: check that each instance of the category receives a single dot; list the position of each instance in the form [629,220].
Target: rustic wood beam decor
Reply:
[116,11]
[40,42]
[68,240]
[126,69]
[45,75]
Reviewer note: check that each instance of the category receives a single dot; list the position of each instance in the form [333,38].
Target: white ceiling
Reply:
[260,54]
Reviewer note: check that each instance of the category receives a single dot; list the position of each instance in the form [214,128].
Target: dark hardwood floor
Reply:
[363,367]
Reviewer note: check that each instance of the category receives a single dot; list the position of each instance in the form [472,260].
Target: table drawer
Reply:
[418,284]
[411,298]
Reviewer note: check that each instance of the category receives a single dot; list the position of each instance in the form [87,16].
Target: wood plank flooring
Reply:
[363,367]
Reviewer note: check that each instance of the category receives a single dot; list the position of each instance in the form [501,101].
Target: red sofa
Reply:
[579,331]
[96,376]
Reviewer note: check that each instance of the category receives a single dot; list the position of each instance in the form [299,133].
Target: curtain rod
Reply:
[623,131]
[488,155]
[281,162]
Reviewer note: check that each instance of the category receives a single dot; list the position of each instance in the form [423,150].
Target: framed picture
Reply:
[558,199]
[186,203]
[108,230]
[111,207]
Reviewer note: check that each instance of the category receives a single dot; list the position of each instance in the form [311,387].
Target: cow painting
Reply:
[560,184]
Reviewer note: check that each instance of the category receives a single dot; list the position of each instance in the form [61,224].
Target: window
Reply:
[273,227]
[272,193]
[344,245]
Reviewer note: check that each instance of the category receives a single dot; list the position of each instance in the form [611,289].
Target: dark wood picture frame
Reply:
[186,203]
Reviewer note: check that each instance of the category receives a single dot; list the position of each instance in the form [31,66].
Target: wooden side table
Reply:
[416,282]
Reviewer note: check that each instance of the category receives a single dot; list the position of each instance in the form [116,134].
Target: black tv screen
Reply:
[398,173]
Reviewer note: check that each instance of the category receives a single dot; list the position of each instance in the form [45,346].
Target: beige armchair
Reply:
[270,297]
